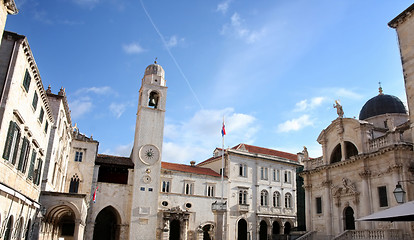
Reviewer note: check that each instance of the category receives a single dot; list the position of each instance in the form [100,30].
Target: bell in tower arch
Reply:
[153,100]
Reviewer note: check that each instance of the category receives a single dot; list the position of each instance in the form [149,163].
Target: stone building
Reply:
[25,120]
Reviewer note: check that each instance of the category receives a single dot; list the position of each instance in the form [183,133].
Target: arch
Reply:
[288,200]
[242,229]
[74,184]
[59,209]
[350,149]
[276,199]
[175,230]
[154,99]
[107,224]
[19,228]
[287,228]
[336,154]
[275,228]
[28,228]
[207,231]
[349,219]
[9,228]
[263,230]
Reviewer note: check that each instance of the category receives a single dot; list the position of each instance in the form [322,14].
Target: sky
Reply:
[272,69]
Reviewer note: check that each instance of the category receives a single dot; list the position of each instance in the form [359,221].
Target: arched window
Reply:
[74,184]
[9,228]
[242,197]
[153,99]
[264,198]
[276,199]
[288,200]
[336,155]
[351,150]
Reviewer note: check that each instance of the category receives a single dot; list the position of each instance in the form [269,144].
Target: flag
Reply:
[223,130]
[94,195]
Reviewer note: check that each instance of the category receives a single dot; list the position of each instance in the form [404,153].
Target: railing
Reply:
[390,234]
[378,143]
[307,236]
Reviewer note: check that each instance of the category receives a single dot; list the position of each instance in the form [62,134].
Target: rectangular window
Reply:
[35,99]
[242,170]
[23,154]
[277,175]
[26,81]
[46,126]
[78,156]
[32,165]
[12,143]
[382,195]
[189,188]
[210,190]
[42,113]
[288,176]
[165,186]
[242,197]
[263,173]
[318,205]
[274,175]
[38,172]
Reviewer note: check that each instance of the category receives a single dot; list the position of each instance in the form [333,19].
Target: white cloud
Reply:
[306,105]
[133,48]
[223,6]
[117,109]
[342,93]
[237,29]
[196,138]
[97,90]
[295,124]
[80,106]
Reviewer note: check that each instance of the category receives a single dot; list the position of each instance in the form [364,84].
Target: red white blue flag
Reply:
[223,130]
[94,195]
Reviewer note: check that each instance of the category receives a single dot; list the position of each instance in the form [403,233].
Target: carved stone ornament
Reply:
[349,186]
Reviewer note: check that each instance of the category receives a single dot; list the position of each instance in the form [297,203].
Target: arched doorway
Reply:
[106,225]
[349,219]
[175,230]
[67,225]
[242,230]
[9,228]
[287,228]
[275,228]
[263,230]
[206,232]
[27,234]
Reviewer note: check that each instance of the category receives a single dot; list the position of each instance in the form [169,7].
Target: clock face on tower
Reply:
[149,154]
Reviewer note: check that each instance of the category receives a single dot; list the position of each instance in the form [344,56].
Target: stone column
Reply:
[308,213]
[166,229]
[327,206]
[79,230]
[365,206]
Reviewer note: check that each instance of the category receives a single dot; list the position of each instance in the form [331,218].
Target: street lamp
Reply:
[399,192]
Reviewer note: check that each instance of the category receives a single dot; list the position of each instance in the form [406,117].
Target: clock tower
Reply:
[146,154]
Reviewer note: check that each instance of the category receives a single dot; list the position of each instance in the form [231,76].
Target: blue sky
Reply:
[273,69]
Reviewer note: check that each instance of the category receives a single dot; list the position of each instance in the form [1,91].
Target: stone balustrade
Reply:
[374,234]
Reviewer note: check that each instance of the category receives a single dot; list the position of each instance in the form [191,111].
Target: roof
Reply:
[381,104]
[401,17]
[189,169]
[102,159]
[255,150]
[61,95]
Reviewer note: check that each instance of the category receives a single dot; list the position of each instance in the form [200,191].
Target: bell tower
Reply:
[146,153]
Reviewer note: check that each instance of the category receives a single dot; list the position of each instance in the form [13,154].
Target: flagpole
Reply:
[222,163]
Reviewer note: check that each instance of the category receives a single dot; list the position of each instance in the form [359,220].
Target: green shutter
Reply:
[16,146]
[22,153]
[39,171]
[32,163]
[41,115]
[35,99]
[26,81]
[9,139]
[26,157]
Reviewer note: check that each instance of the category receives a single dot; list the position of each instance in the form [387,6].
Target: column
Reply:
[327,205]
[308,213]
[79,230]
[365,206]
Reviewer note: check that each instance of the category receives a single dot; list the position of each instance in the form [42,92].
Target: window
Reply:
[210,190]
[165,186]
[26,81]
[46,126]
[242,170]
[32,165]
[243,197]
[37,172]
[276,199]
[78,156]
[189,188]
[74,184]
[24,155]
[221,171]
[42,113]
[288,200]
[288,176]
[318,205]
[382,196]
[12,143]
[264,198]
[263,173]
[35,99]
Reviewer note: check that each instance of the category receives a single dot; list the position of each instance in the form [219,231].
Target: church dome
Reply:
[381,104]
[155,69]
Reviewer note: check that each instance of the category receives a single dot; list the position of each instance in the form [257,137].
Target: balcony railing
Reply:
[243,207]
[374,234]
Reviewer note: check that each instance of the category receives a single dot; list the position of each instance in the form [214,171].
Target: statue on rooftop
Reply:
[339,109]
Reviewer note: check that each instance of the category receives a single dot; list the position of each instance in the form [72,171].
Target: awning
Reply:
[403,212]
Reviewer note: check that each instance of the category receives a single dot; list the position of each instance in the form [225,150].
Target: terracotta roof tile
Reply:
[114,160]
[268,151]
[189,169]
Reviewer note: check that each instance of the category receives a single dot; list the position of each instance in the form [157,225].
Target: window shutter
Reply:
[39,172]
[32,163]
[16,147]
[22,153]
[9,139]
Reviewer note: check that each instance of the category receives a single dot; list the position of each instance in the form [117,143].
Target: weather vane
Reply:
[380,88]
[155,60]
